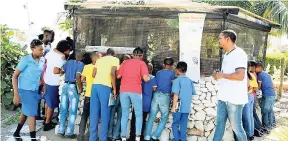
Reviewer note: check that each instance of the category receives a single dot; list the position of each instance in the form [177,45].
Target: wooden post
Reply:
[282,67]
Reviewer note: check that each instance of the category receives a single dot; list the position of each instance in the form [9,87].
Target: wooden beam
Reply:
[239,21]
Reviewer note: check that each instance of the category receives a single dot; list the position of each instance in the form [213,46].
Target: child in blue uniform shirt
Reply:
[161,100]
[266,85]
[70,95]
[182,90]
[26,84]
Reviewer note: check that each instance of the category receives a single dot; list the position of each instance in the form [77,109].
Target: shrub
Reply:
[10,55]
[275,60]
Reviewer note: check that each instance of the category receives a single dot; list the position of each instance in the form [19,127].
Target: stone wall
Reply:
[201,118]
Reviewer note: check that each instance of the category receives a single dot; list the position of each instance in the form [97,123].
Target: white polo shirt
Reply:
[232,91]
[54,59]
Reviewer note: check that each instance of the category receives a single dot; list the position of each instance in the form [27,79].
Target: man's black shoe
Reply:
[53,123]
[71,136]
[258,133]
[48,126]
[251,138]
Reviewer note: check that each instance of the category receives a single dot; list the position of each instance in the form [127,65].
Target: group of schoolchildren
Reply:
[258,81]
[128,82]
[132,82]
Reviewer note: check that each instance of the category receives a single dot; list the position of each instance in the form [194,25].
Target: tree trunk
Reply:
[282,67]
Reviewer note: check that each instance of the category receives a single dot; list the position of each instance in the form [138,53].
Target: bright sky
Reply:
[43,13]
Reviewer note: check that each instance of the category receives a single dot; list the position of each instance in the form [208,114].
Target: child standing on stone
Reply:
[182,90]
[70,95]
[87,77]
[161,100]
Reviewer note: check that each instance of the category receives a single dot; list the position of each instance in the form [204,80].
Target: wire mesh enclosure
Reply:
[156,30]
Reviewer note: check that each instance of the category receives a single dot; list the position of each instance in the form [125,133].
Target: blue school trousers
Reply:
[180,119]
[99,108]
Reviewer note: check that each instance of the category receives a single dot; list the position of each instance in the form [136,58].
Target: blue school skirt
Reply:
[29,100]
[52,96]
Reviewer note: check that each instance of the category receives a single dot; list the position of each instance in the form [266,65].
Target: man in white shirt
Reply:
[233,92]
[55,62]
[47,38]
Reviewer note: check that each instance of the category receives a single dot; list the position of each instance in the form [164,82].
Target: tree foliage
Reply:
[275,60]
[274,10]
[10,55]
[66,25]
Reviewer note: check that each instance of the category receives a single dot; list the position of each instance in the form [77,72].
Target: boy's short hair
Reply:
[94,53]
[259,64]
[126,57]
[182,66]
[168,61]
[111,52]
[79,53]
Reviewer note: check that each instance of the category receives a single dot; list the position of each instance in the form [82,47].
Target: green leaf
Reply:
[9,95]
[6,101]
[9,107]
[11,33]
[3,84]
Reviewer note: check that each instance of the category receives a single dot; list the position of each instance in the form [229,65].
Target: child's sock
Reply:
[137,138]
[19,127]
[33,135]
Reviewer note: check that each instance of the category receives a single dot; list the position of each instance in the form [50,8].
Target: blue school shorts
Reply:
[52,96]
[29,100]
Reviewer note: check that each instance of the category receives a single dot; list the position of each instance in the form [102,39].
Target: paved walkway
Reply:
[280,133]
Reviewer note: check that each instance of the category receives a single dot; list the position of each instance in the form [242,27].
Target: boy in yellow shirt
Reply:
[87,76]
